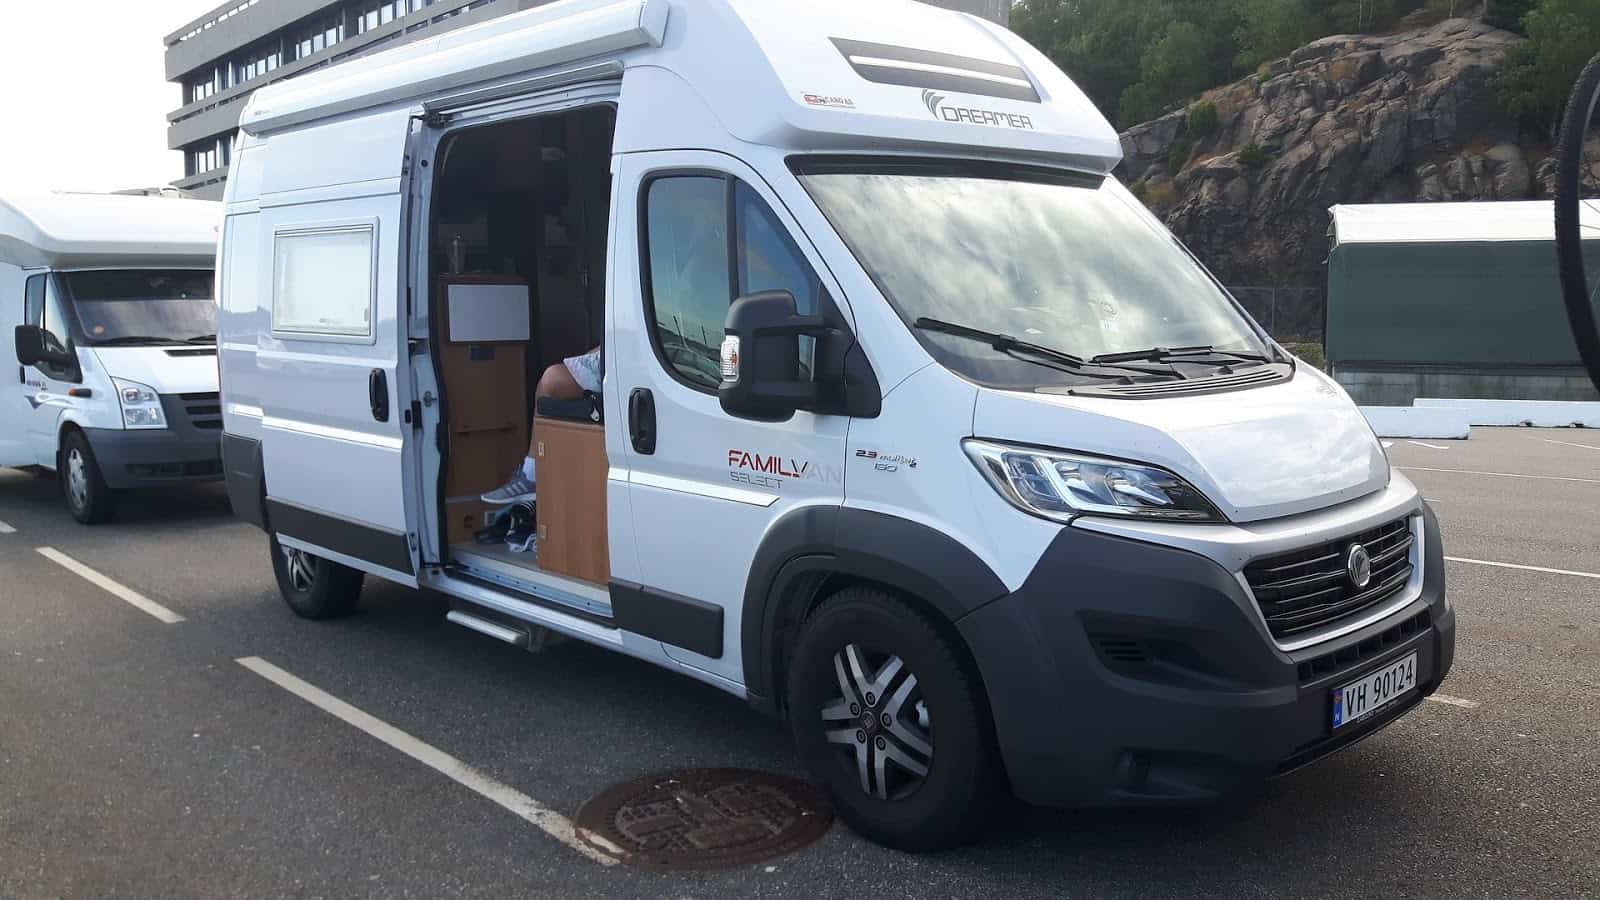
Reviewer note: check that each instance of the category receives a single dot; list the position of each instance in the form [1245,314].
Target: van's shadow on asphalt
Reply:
[686,724]
[39,494]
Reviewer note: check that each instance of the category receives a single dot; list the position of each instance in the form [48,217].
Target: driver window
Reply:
[33,300]
[57,337]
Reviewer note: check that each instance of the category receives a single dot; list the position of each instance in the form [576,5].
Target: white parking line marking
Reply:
[1388,444]
[1454,701]
[1501,565]
[6,529]
[1571,444]
[127,595]
[1429,446]
[1500,474]
[546,820]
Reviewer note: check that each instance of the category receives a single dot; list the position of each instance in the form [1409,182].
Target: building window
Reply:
[198,159]
[316,36]
[370,15]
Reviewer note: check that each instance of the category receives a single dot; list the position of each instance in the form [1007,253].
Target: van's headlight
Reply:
[141,405]
[1062,486]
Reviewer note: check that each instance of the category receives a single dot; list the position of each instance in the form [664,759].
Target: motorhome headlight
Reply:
[1062,486]
[141,405]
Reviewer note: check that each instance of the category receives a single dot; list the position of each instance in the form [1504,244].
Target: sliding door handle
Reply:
[378,394]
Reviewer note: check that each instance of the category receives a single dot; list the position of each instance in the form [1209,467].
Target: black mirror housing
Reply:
[761,375]
[29,341]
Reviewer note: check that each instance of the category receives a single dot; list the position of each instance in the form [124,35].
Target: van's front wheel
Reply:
[315,588]
[890,721]
[89,498]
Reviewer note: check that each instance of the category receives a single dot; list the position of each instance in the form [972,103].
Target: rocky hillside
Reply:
[1347,119]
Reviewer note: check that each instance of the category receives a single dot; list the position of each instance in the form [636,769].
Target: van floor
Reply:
[501,565]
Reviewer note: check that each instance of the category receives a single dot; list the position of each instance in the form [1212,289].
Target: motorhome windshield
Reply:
[143,306]
[1066,263]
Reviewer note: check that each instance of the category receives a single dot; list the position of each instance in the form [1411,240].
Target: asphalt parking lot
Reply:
[139,758]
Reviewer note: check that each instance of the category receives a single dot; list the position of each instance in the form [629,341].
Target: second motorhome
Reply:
[107,325]
[915,428]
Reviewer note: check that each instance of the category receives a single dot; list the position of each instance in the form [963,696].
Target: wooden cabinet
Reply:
[572,499]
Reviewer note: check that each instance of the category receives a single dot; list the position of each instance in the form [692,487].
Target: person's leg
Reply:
[557,383]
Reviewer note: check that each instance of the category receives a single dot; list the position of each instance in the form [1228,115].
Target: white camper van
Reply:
[914,428]
[108,319]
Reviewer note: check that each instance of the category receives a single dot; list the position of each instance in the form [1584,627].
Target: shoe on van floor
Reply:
[519,489]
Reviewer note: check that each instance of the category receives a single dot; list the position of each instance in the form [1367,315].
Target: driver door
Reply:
[45,386]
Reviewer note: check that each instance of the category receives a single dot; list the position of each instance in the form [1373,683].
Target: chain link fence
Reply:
[1290,314]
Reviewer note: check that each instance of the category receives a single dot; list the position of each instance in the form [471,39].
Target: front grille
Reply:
[1310,588]
[203,410]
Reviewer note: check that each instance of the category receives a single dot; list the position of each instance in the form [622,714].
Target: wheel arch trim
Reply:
[808,547]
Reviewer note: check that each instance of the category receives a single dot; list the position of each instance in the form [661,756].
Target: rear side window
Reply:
[322,281]
[697,265]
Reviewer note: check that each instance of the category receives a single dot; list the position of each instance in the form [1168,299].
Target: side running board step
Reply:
[512,636]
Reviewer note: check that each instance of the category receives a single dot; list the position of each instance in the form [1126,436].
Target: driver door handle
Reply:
[642,420]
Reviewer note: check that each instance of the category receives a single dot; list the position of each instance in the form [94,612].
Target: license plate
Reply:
[1359,699]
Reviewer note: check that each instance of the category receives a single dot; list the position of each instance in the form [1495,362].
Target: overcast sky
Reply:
[83,95]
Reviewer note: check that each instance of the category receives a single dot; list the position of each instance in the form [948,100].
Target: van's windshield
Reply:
[143,306]
[1064,262]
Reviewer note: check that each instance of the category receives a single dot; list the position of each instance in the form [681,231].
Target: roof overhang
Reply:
[64,230]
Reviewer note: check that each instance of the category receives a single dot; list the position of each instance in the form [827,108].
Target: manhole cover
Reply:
[704,818]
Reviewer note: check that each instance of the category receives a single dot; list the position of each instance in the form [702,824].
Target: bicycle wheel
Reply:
[1578,214]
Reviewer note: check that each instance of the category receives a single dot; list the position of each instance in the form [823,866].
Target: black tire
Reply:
[88,497]
[951,804]
[315,588]
[1575,282]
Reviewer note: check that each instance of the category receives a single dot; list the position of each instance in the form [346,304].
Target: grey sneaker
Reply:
[519,489]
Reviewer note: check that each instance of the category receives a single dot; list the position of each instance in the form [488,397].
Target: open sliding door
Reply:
[336,385]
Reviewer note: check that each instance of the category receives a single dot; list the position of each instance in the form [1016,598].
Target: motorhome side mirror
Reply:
[761,374]
[32,349]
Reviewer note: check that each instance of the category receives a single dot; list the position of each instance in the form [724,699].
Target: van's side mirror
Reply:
[761,374]
[33,350]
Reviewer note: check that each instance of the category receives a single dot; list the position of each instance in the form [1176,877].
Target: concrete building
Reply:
[223,56]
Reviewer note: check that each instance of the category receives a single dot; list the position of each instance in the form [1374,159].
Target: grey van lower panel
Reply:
[389,549]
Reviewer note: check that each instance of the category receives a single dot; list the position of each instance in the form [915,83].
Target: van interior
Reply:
[517,259]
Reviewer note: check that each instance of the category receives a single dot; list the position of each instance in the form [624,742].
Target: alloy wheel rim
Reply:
[879,722]
[297,563]
[77,479]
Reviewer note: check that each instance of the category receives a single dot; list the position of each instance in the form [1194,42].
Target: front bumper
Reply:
[1125,673]
[135,459]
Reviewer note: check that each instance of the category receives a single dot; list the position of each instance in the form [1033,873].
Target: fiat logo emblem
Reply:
[1358,565]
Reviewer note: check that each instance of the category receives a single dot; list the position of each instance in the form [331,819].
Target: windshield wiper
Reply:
[1186,354]
[201,339]
[133,340]
[1056,359]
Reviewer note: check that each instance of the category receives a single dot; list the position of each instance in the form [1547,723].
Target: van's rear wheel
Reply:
[890,721]
[315,588]
[89,498]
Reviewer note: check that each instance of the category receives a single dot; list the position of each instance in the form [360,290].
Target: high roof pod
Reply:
[61,229]
[806,75]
